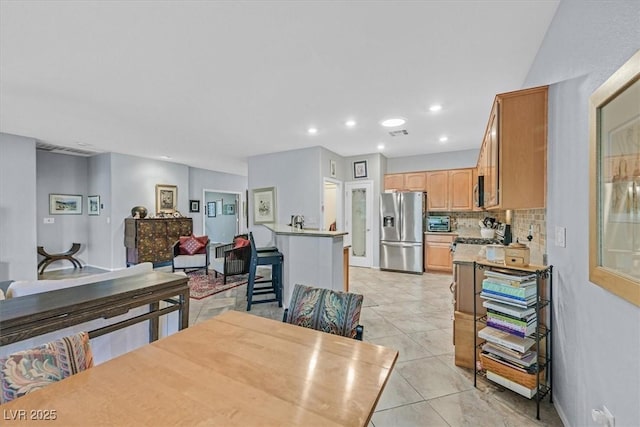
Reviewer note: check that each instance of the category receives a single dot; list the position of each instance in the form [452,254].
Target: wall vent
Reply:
[64,150]
[398,132]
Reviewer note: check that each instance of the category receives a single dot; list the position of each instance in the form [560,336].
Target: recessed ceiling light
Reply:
[350,123]
[393,122]
[165,157]
[443,139]
[435,107]
[312,131]
[380,147]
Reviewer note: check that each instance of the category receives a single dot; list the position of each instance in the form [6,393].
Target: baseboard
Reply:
[561,413]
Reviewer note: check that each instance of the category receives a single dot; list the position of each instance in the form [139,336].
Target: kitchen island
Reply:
[311,257]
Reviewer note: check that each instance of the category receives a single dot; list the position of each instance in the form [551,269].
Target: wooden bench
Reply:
[49,258]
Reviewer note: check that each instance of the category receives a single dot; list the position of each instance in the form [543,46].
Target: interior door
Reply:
[358,222]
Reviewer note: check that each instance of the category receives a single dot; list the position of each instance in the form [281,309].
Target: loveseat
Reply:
[104,347]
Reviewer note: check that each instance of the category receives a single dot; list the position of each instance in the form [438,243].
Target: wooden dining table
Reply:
[235,369]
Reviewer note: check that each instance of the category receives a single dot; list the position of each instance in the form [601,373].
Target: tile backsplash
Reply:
[470,219]
[521,220]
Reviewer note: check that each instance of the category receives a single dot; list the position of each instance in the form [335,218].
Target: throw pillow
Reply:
[191,245]
[241,243]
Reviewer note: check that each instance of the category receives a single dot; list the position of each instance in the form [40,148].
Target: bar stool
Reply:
[273,258]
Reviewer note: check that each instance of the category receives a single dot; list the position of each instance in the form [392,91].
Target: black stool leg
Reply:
[251,284]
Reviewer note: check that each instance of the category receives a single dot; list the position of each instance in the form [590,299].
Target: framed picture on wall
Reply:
[93,205]
[166,198]
[360,169]
[194,205]
[211,209]
[332,168]
[229,209]
[264,205]
[65,204]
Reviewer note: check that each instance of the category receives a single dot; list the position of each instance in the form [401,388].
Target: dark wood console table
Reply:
[32,315]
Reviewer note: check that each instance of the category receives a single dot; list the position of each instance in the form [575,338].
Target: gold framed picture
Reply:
[166,198]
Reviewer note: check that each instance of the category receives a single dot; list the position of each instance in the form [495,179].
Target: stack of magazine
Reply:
[510,300]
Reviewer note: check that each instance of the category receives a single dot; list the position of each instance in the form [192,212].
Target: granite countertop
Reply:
[470,253]
[293,231]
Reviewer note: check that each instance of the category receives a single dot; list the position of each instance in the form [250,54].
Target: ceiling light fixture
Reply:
[435,107]
[350,123]
[443,139]
[380,147]
[393,122]
[312,131]
[165,157]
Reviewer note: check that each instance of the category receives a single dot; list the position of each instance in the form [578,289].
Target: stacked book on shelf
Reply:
[508,356]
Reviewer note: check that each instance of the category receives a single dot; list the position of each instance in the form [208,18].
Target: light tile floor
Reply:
[412,314]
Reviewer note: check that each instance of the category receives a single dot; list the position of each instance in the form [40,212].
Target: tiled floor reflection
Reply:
[412,314]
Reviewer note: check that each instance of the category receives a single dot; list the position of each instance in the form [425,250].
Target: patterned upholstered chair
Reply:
[191,253]
[232,258]
[33,369]
[325,310]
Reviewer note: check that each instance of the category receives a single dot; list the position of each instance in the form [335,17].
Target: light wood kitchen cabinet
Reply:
[438,190]
[463,324]
[410,181]
[437,252]
[460,183]
[513,157]
[450,190]
[394,181]
[415,181]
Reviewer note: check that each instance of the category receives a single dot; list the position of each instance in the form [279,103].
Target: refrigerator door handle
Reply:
[401,244]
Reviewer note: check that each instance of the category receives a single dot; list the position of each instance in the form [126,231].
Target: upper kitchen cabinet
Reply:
[438,190]
[394,181]
[513,157]
[415,181]
[460,181]
[410,181]
[449,190]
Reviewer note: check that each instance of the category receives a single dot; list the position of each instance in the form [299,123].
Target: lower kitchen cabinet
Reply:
[463,324]
[437,252]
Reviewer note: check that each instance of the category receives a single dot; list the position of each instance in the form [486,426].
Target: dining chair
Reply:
[325,310]
[29,370]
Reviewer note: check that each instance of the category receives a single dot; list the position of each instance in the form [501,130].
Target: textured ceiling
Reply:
[210,83]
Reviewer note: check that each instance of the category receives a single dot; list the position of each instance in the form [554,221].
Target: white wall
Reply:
[201,179]
[436,161]
[596,341]
[61,174]
[133,183]
[297,177]
[18,256]
[100,245]
[221,228]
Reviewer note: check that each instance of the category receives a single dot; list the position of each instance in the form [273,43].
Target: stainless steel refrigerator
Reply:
[402,231]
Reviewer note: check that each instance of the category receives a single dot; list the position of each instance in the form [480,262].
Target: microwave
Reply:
[440,223]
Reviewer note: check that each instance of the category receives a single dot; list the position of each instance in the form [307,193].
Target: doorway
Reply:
[358,222]
[220,219]
[332,212]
